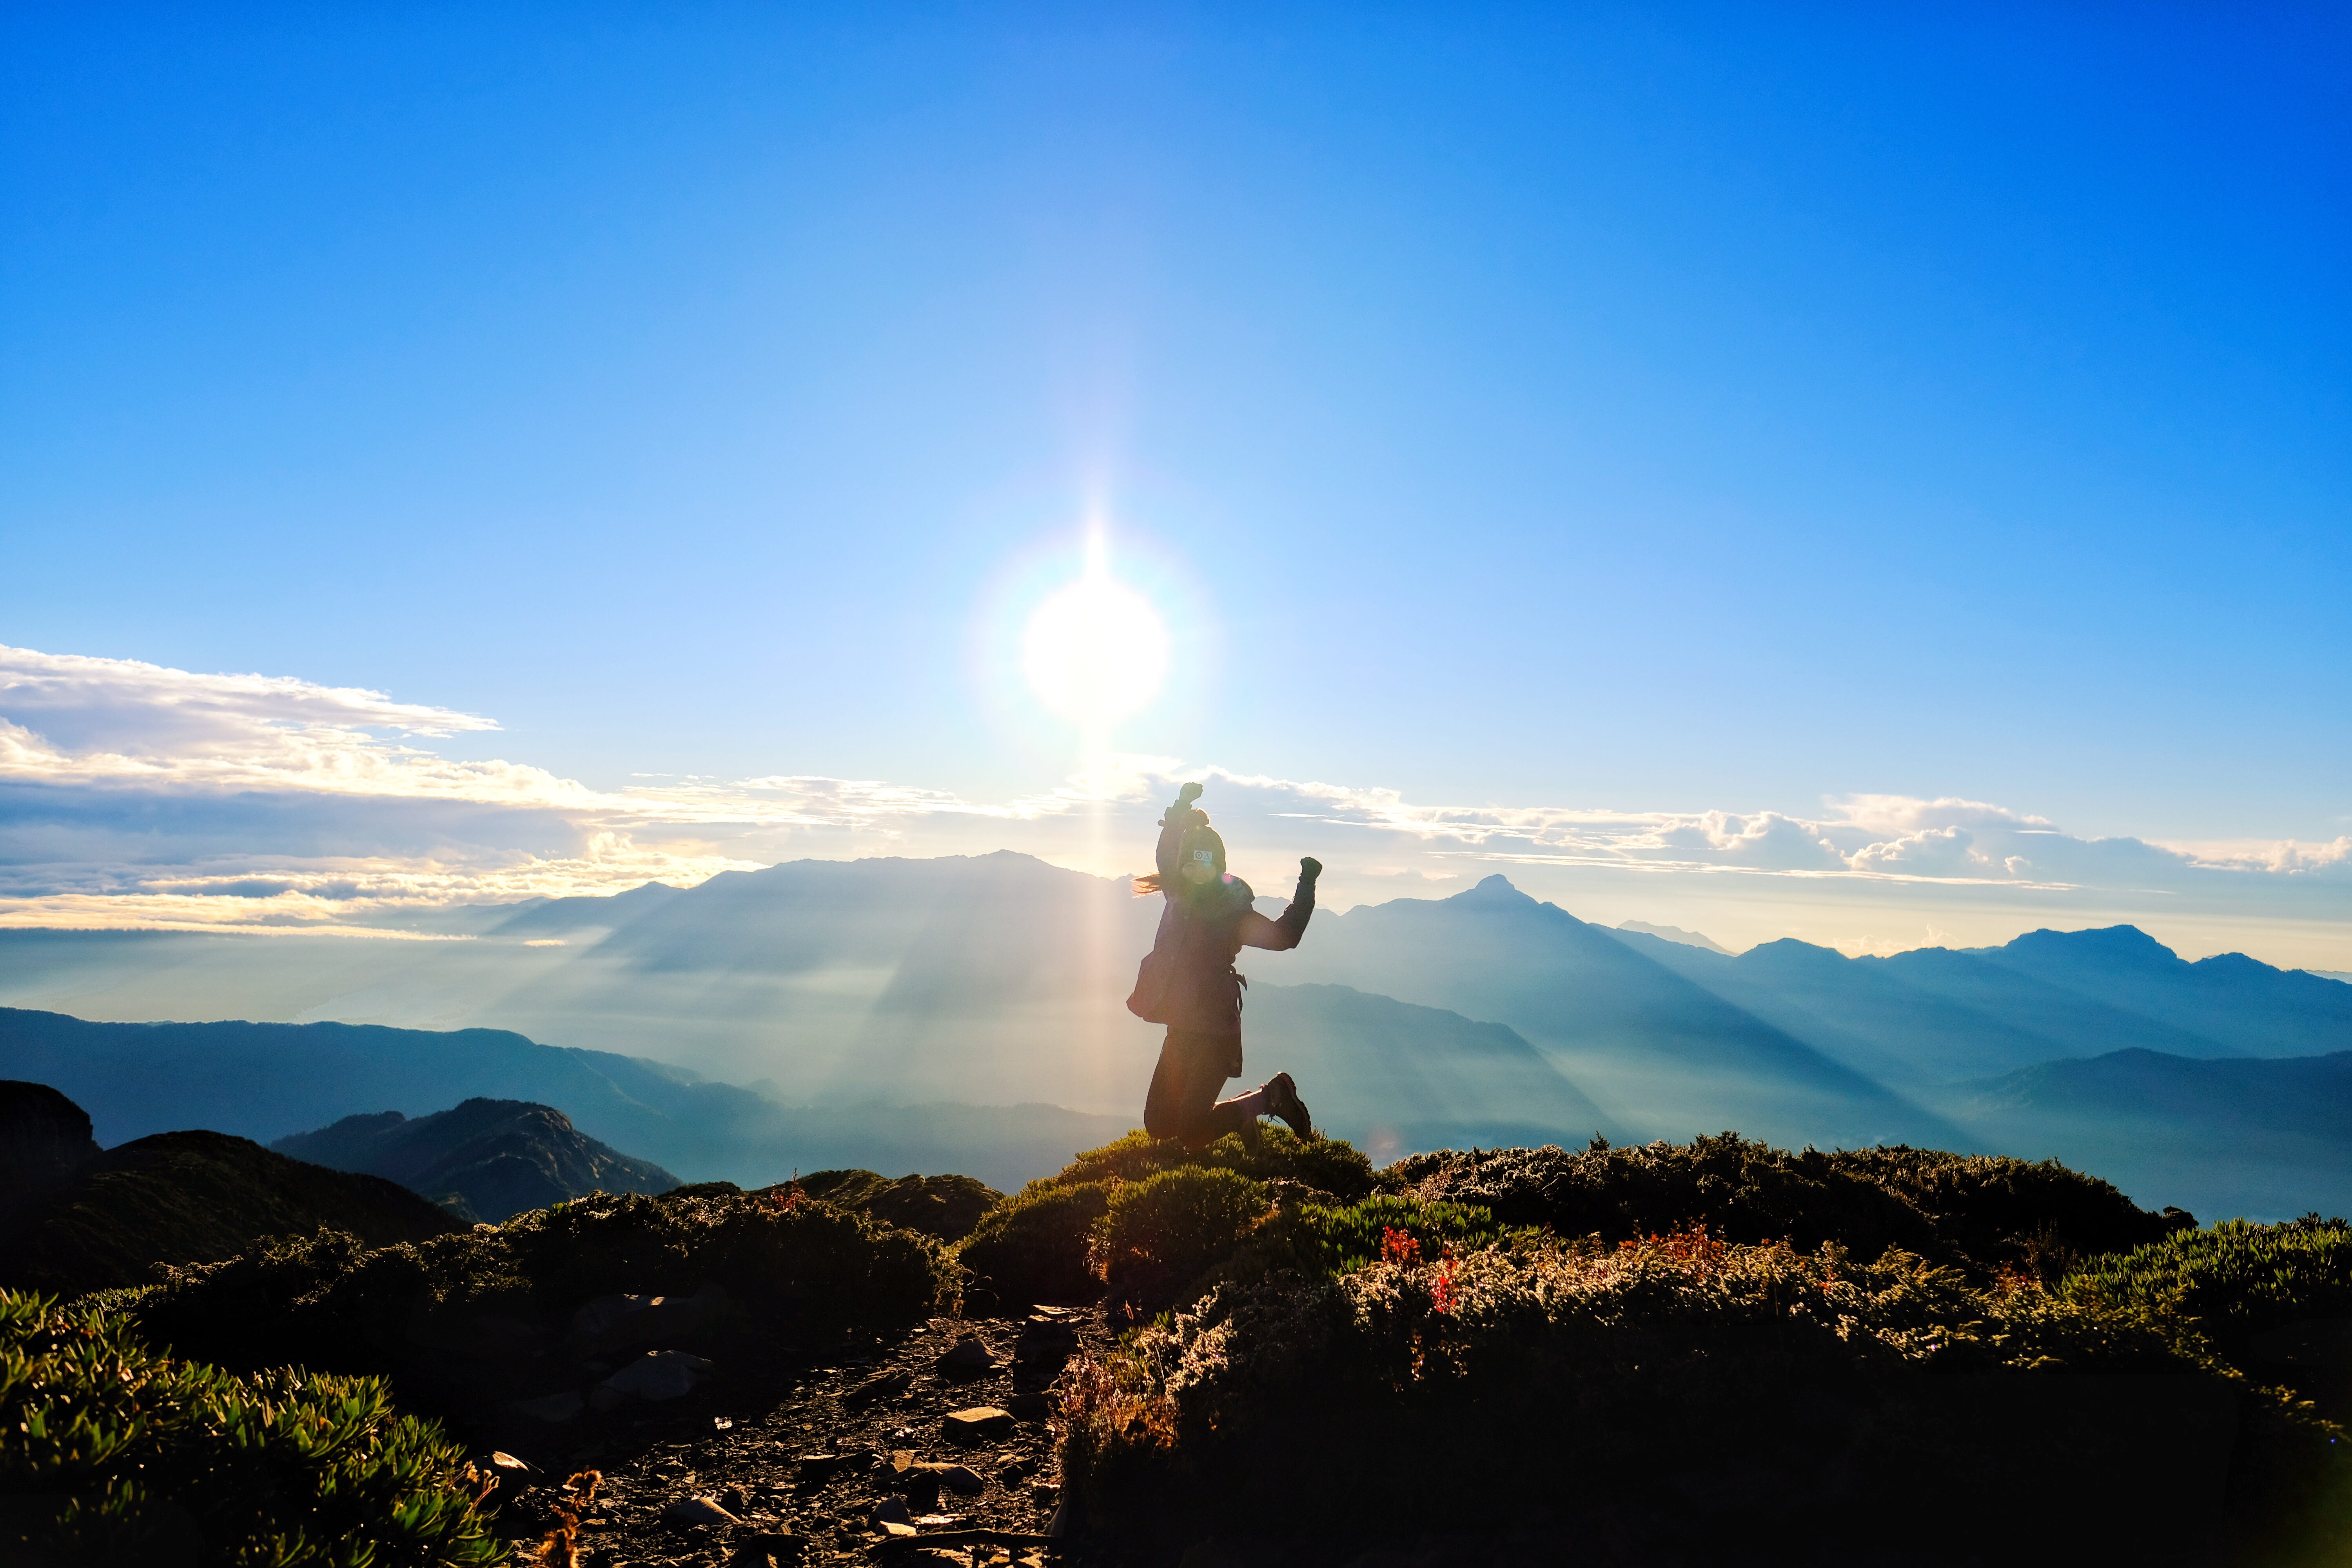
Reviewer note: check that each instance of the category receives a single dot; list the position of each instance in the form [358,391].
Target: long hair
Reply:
[1198,836]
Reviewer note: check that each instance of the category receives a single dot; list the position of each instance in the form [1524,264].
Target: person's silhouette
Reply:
[1187,982]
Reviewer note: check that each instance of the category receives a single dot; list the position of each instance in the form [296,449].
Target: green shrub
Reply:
[1324,1164]
[1033,1246]
[2233,1281]
[1678,1397]
[327,1301]
[1168,1227]
[109,1453]
[1975,1213]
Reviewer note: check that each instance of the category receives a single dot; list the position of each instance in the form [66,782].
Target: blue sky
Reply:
[1660,411]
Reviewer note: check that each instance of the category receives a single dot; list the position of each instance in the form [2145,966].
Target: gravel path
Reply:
[814,1454]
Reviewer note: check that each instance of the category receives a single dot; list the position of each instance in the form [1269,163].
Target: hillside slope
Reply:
[194,1197]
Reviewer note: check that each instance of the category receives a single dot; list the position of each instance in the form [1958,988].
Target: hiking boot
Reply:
[1281,1100]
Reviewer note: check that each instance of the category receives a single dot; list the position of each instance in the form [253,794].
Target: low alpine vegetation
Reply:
[327,1301]
[109,1453]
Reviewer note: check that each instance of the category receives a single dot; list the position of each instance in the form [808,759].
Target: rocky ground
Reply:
[813,1453]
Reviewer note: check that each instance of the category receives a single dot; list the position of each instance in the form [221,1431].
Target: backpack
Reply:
[1149,1001]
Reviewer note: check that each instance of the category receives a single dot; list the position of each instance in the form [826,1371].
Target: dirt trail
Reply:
[823,1442]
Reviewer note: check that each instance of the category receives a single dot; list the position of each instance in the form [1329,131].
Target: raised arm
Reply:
[1180,817]
[1281,933]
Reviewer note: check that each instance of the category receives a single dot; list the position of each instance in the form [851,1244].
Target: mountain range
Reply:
[482,1160]
[901,1014]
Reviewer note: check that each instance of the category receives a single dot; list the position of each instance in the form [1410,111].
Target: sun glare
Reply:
[1095,651]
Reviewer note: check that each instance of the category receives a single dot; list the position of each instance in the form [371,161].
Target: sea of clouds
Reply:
[133,795]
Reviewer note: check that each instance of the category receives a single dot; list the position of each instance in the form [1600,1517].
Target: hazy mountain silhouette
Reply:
[1667,1056]
[2259,1136]
[948,987]
[107,1216]
[1676,934]
[1394,1078]
[1937,1015]
[484,1159]
[560,916]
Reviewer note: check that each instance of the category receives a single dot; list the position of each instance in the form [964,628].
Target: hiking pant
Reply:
[1183,1099]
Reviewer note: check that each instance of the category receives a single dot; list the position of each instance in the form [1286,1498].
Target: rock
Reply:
[1030,1408]
[887,1385]
[890,1511]
[976,1425]
[891,1527]
[625,1322]
[961,1478]
[1014,1474]
[735,1501]
[701,1511]
[665,1374]
[814,1468]
[969,1358]
[769,1549]
[553,1407]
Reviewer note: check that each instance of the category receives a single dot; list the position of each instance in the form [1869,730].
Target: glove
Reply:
[1188,795]
[1309,867]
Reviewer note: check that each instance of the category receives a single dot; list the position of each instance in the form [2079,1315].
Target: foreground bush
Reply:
[2233,1283]
[1972,1211]
[1678,1395]
[1047,1242]
[1032,1247]
[110,1454]
[327,1301]
[1164,1230]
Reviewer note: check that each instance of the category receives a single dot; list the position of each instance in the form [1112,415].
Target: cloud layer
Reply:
[134,794]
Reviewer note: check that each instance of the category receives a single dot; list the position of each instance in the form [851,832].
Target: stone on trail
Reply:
[961,1478]
[884,1386]
[665,1374]
[976,1425]
[967,1358]
[1032,1407]
[702,1511]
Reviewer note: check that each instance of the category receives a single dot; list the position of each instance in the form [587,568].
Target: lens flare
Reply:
[1097,652]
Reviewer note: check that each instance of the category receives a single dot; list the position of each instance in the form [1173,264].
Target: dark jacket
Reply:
[1202,930]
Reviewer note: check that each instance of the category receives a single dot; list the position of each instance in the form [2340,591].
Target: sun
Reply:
[1097,652]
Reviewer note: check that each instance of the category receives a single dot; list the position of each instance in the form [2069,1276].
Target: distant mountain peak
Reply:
[2115,944]
[1495,890]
